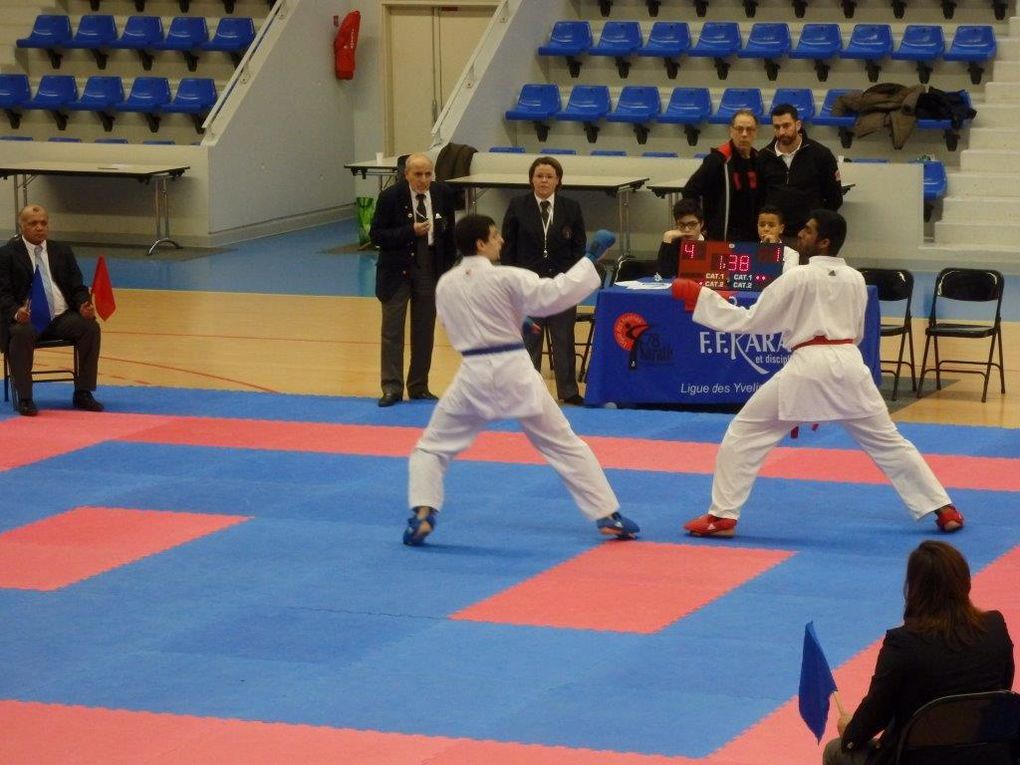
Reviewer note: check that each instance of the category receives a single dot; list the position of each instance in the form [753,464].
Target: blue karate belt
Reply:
[493,349]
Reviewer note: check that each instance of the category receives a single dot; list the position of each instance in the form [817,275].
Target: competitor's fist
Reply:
[686,290]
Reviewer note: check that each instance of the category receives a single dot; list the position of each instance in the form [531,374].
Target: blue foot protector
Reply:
[419,526]
[616,525]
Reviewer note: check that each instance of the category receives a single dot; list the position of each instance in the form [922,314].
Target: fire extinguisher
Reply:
[344,45]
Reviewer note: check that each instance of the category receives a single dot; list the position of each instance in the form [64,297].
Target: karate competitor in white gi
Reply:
[819,309]
[482,306]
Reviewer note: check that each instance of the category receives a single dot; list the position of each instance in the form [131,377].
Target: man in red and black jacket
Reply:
[726,184]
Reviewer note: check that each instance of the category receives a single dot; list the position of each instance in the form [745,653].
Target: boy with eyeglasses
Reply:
[689,223]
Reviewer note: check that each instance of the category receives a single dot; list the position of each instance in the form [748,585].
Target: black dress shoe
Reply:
[424,396]
[27,408]
[83,399]
[389,399]
[575,400]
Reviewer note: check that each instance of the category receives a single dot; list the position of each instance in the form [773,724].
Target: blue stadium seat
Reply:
[923,44]
[54,93]
[768,42]
[233,36]
[950,128]
[63,139]
[639,105]
[537,103]
[16,138]
[843,123]
[14,94]
[619,39]
[141,34]
[51,33]
[936,183]
[734,99]
[820,43]
[690,107]
[195,96]
[186,34]
[111,140]
[802,99]
[148,96]
[507,149]
[870,43]
[660,154]
[96,32]
[569,39]
[560,151]
[608,153]
[159,142]
[587,104]
[718,40]
[101,96]
[975,44]
[668,40]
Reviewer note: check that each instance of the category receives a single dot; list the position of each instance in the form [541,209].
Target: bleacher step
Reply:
[992,138]
[1003,92]
[991,160]
[941,255]
[975,184]
[993,234]
[1000,115]
[1006,71]
[986,209]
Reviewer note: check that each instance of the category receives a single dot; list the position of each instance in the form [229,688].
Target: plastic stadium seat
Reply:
[936,184]
[619,39]
[668,40]
[141,34]
[802,99]
[660,154]
[690,107]
[569,39]
[950,131]
[507,149]
[608,153]
[195,96]
[924,44]
[718,40]
[148,96]
[843,123]
[974,44]
[587,104]
[820,43]
[159,142]
[638,105]
[233,36]
[768,42]
[870,43]
[111,140]
[63,139]
[50,32]
[734,99]
[186,34]
[16,138]
[54,93]
[96,32]
[14,94]
[100,95]
[537,103]
[560,151]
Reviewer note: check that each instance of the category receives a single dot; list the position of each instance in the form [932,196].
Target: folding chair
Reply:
[38,375]
[969,285]
[896,285]
[963,729]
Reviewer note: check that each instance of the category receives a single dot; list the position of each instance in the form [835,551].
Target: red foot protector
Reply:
[638,587]
[78,544]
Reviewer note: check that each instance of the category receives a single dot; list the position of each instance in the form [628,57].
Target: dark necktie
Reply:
[420,215]
[545,211]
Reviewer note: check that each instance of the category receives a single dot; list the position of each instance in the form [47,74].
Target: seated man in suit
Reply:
[72,316]
[413,229]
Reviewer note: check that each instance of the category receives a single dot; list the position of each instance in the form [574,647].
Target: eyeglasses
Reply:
[688,225]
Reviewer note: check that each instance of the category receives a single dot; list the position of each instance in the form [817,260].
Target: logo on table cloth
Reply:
[763,353]
[635,335]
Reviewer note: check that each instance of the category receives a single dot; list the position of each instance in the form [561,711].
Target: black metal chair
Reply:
[40,375]
[896,285]
[971,285]
[964,729]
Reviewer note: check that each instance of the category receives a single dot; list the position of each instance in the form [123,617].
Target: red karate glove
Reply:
[686,290]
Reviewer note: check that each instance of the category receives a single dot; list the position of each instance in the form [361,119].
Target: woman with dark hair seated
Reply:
[945,646]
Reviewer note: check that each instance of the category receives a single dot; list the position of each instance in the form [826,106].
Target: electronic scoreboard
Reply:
[740,266]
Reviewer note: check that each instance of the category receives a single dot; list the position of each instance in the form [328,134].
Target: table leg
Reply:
[623,204]
[162,205]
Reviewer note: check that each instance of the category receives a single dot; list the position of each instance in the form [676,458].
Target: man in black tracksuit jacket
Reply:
[810,181]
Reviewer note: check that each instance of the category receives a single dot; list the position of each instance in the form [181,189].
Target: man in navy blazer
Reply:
[413,229]
[544,231]
[74,316]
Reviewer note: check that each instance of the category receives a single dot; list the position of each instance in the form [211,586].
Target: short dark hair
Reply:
[688,207]
[831,226]
[780,109]
[551,161]
[772,210]
[469,230]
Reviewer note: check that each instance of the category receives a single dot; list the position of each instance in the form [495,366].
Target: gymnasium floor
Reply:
[211,571]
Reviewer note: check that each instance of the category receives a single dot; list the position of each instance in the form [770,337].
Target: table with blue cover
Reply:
[647,350]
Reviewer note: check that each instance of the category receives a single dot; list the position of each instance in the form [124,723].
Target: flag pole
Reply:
[839,704]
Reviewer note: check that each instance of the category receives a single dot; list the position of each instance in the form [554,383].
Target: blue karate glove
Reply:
[601,241]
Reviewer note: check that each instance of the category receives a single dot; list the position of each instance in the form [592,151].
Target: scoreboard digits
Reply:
[744,266]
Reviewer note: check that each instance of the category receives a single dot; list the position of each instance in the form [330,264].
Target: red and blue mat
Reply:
[211,577]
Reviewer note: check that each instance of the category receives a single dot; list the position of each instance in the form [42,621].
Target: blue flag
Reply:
[816,683]
[40,308]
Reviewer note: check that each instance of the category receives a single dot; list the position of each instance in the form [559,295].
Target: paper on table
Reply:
[636,285]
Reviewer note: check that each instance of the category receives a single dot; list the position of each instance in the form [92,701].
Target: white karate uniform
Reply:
[819,383]
[483,306]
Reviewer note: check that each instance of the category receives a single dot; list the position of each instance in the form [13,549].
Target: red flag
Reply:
[102,291]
